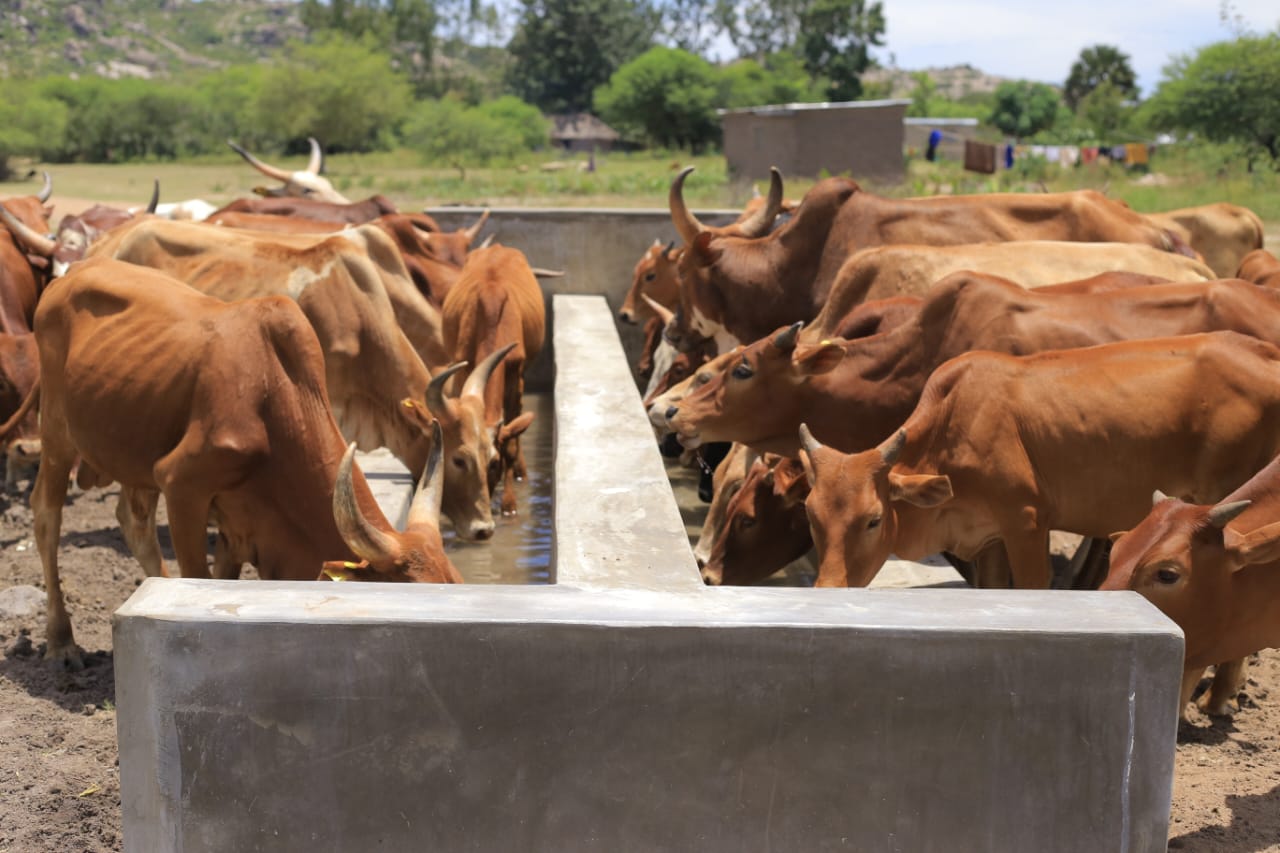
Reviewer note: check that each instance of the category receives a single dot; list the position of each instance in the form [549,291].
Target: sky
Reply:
[1039,39]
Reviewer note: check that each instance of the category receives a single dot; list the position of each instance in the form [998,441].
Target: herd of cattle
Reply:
[966,374]
[226,361]
[908,376]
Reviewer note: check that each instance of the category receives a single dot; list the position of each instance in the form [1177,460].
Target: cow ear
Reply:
[819,359]
[517,426]
[1115,537]
[1257,546]
[922,490]
[343,570]
[702,248]
[789,484]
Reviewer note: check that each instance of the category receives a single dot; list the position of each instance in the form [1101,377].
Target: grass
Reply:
[1186,177]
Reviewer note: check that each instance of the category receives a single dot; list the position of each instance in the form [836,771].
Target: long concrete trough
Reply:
[628,708]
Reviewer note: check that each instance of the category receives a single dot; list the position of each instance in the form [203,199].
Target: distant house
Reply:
[582,132]
[861,138]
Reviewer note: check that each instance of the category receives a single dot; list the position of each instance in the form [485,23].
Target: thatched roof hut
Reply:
[582,132]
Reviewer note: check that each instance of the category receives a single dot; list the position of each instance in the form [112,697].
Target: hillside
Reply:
[954,82]
[140,38]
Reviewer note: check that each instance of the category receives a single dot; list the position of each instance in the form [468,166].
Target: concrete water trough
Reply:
[626,707]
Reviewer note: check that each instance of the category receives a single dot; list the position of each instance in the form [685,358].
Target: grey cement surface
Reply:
[612,713]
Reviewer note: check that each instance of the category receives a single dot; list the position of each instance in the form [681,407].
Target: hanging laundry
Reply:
[935,137]
[1070,156]
[1008,156]
[1088,155]
[1052,153]
[1136,154]
[979,157]
[1118,153]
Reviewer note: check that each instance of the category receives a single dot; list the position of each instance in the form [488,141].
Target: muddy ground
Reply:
[59,788]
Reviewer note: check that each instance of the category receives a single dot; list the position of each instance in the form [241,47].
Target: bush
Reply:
[665,96]
[447,132]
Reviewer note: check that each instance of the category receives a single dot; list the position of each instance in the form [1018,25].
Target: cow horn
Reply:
[474,231]
[486,242]
[687,225]
[435,390]
[1158,497]
[425,509]
[155,196]
[540,272]
[786,339]
[669,247]
[46,190]
[269,171]
[664,313]
[479,377]
[892,449]
[810,444]
[1221,514]
[27,236]
[759,223]
[316,164]
[366,540]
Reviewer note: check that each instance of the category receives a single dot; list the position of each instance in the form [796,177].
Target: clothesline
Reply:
[984,157]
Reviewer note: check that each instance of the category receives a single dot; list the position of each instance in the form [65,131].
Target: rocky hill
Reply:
[140,38]
[954,82]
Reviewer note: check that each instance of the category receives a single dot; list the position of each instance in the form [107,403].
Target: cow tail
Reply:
[33,397]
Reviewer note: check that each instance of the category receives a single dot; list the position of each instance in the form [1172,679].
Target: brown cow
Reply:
[23,274]
[731,283]
[19,374]
[1078,441]
[222,409]
[306,183]
[853,394]
[1260,267]
[1215,570]
[1222,233]
[763,526]
[495,303]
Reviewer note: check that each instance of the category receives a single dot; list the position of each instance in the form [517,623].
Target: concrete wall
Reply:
[863,141]
[628,708]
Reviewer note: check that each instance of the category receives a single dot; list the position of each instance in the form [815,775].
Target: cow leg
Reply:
[47,498]
[1227,680]
[136,512]
[1090,563]
[188,527]
[1027,545]
[1190,678]
[991,568]
[226,566]
[510,451]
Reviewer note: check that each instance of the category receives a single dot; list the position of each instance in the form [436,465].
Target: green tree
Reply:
[342,91]
[780,80]
[1225,92]
[1023,108]
[1097,65]
[922,95]
[835,39]
[448,132]
[666,96]
[563,49]
[1104,110]
[29,122]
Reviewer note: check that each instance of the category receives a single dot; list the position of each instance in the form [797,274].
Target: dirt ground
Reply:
[59,782]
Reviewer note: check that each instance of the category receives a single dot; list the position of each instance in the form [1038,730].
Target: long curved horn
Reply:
[269,171]
[759,223]
[425,509]
[46,190]
[25,234]
[366,540]
[687,225]
[1158,497]
[316,164]
[892,449]
[540,272]
[480,376]
[435,390]
[486,242]
[664,313]
[1223,513]
[810,444]
[474,231]
[786,339]
[155,196]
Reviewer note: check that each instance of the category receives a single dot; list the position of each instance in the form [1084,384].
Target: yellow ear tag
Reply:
[334,575]
[347,565]
[825,342]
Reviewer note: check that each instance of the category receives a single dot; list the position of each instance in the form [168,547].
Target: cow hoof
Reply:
[66,657]
[1222,708]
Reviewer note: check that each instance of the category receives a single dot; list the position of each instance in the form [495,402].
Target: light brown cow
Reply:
[853,394]
[305,183]
[1077,442]
[731,283]
[222,409]
[1222,233]
[373,325]
[1261,267]
[495,303]
[23,274]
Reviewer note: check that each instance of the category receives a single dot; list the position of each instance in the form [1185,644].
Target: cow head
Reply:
[656,277]
[1186,561]
[470,445]
[851,505]
[416,554]
[750,399]
[764,526]
[687,372]
[306,183]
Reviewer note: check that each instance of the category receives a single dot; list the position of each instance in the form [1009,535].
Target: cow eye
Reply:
[649,276]
[873,523]
[459,462]
[743,371]
[702,378]
[1167,574]
[746,521]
